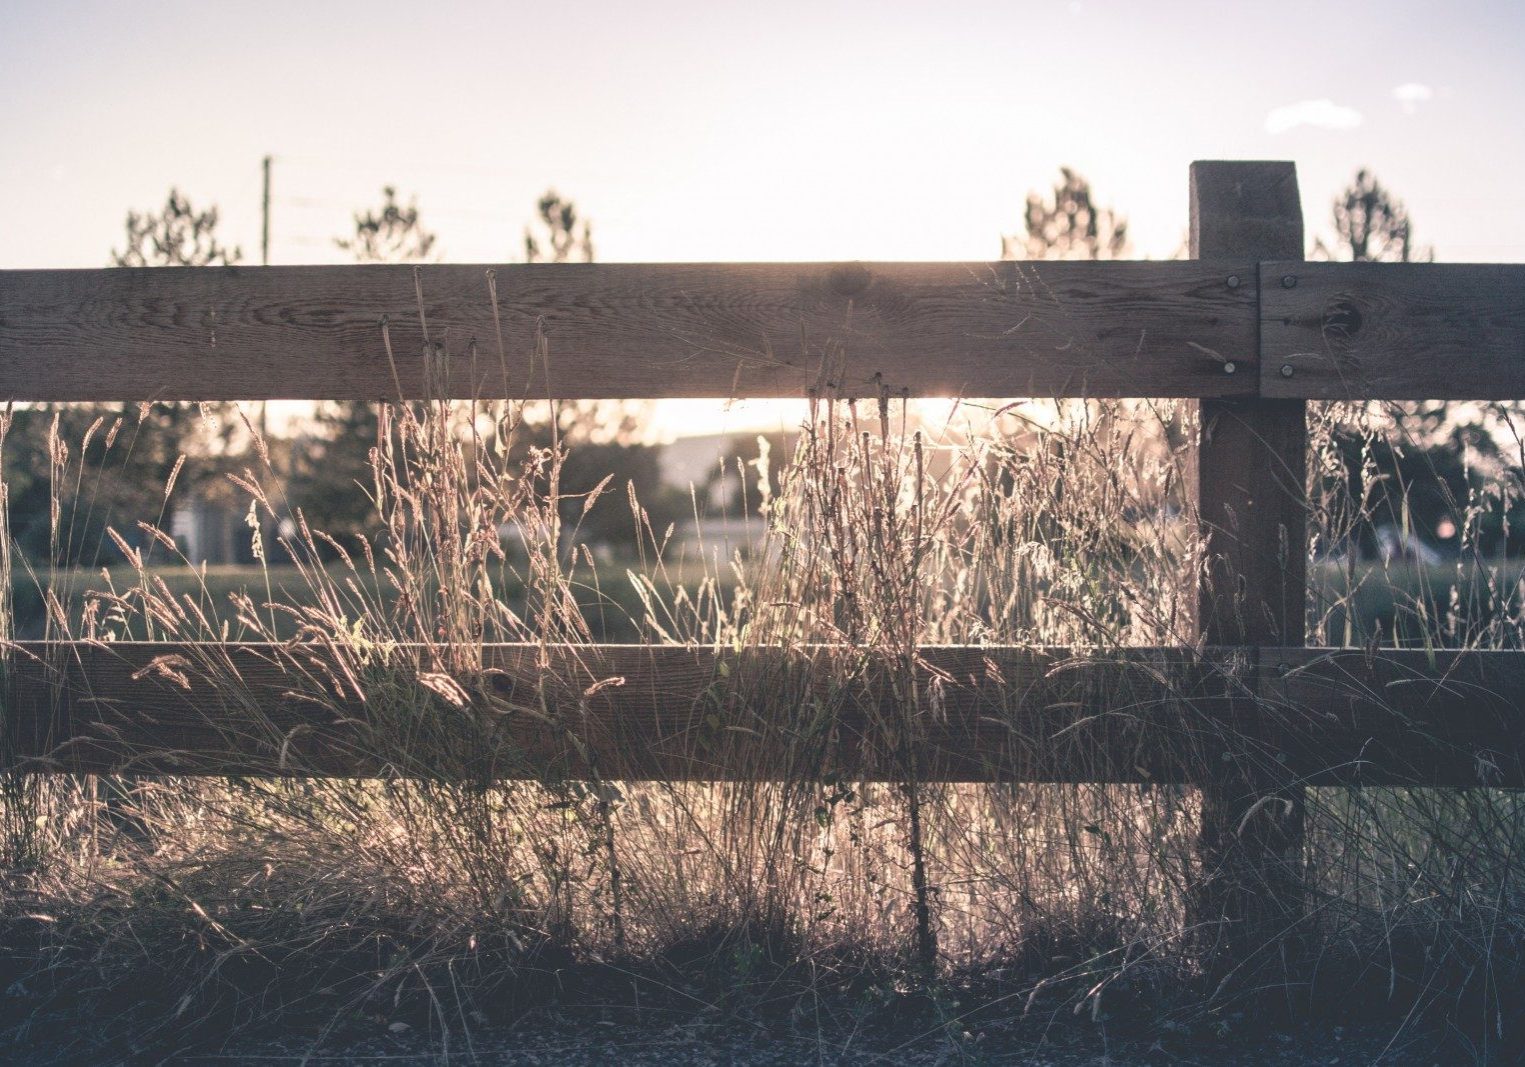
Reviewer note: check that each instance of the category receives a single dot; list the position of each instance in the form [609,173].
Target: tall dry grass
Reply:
[459,889]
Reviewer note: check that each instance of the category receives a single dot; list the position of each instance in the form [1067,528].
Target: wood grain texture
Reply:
[611,331]
[1382,331]
[1315,716]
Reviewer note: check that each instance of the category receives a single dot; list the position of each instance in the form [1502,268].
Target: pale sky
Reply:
[703,130]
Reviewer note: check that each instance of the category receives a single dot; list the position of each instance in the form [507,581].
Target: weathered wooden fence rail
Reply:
[1144,715]
[1245,327]
[1170,329]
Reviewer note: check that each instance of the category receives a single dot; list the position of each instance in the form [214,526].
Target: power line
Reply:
[363,167]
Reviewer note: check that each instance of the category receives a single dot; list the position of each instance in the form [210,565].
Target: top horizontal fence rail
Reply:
[1169,329]
[1384,331]
[616,331]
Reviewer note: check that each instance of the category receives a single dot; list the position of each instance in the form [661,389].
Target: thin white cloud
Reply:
[1323,114]
[1412,94]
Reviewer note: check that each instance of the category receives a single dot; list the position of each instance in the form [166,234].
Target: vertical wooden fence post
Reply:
[1251,471]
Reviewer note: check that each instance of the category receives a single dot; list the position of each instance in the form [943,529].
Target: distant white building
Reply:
[721,471]
[208,532]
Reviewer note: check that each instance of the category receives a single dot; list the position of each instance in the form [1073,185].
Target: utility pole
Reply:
[264,260]
[264,232]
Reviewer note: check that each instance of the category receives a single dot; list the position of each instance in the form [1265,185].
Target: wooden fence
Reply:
[1245,327]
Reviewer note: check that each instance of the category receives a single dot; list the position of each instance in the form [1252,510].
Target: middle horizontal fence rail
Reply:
[1142,715]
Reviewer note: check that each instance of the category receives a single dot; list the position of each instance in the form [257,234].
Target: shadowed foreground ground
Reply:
[575,1038]
[572,1042]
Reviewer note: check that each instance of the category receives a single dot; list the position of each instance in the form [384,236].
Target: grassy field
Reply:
[179,914]
[1405,604]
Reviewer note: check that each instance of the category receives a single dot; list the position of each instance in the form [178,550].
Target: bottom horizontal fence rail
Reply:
[947,713]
